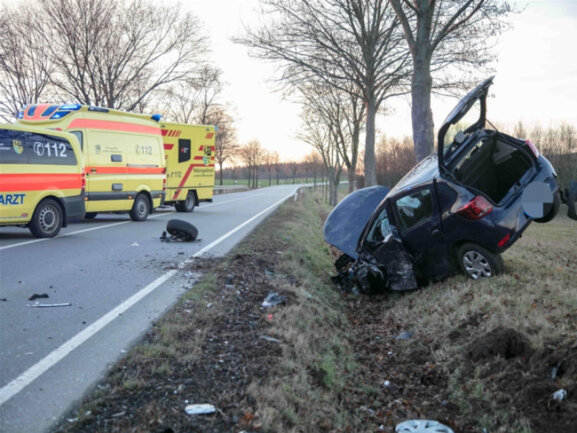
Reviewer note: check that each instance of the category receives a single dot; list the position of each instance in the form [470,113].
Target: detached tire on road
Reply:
[477,262]
[182,230]
[47,219]
[140,208]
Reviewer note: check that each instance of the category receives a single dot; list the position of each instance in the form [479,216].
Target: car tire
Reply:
[90,215]
[554,209]
[182,230]
[47,219]
[140,208]
[477,262]
[186,205]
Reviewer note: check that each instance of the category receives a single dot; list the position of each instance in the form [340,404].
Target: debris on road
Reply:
[179,231]
[200,409]
[273,299]
[39,305]
[37,296]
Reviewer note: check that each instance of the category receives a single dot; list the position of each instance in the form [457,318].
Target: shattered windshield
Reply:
[380,229]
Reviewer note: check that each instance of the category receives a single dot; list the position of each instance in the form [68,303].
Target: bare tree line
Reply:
[372,51]
[132,55]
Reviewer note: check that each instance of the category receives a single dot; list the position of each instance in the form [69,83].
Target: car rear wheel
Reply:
[47,219]
[140,208]
[476,262]
[186,205]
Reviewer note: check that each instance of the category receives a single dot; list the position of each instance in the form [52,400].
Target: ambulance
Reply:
[123,155]
[189,151]
[42,179]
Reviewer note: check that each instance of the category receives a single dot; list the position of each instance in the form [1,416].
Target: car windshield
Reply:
[380,229]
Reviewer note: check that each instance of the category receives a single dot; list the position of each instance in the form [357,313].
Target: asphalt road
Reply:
[118,277]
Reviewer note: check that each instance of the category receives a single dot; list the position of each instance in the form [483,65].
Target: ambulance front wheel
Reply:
[140,208]
[47,219]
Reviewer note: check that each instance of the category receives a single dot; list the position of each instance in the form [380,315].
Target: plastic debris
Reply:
[386,383]
[271,339]
[200,409]
[422,426]
[39,305]
[560,395]
[37,296]
[404,335]
[273,299]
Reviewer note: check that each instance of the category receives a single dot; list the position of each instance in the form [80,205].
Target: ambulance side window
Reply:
[12,147]
[79,136]
[19,147]
[183,150]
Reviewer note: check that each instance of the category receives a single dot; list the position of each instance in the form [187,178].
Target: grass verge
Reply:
[477,356]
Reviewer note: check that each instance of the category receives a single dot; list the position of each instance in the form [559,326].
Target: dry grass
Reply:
[328,373]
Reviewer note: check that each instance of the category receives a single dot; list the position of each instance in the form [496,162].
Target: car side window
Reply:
[415,208]
[380,229]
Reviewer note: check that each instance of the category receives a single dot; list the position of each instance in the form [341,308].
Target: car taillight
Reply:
[504,240]
[476,208]
[83,181]
[533,148]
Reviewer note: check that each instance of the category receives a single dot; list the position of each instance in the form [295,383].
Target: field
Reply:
[475,355]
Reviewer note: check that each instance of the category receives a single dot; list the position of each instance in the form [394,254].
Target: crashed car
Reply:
[458,209]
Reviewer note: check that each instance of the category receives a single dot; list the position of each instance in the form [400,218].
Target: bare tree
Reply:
[252,154]
[340,42]
[343,113]
[24,67]
[115,53]
[321,135]
[226,146]
[442,34]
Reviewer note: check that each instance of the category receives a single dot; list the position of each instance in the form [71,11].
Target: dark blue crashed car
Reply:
[458,209]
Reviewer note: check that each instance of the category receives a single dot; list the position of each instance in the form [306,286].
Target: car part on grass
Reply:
[273,299]
[200,409]
[560,395]
[179,230]
[422,426]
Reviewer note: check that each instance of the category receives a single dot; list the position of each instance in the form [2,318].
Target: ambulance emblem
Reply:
[18,146]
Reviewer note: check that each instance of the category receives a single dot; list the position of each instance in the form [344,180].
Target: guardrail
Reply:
[226,189]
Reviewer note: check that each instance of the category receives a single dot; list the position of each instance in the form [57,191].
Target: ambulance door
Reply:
[106,177]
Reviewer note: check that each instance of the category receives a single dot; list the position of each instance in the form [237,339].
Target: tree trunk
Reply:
[422,116]
[370,164]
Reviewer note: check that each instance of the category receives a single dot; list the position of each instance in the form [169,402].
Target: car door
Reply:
[418,220]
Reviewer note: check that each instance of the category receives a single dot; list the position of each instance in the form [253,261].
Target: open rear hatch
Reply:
[487,161]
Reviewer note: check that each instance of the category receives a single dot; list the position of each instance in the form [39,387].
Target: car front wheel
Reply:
[476,262]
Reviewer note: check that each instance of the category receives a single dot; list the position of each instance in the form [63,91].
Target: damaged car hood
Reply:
[347,220]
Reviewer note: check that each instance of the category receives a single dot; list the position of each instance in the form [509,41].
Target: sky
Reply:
[535,76]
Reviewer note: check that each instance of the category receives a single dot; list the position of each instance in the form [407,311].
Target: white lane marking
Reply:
[38,369]
[14,387]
